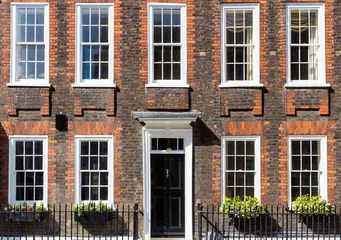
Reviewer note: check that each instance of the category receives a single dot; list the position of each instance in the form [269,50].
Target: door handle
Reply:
[167,173]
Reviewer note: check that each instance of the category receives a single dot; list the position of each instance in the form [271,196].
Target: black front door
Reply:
[167,190]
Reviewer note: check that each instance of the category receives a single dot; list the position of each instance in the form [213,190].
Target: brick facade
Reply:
[272,112]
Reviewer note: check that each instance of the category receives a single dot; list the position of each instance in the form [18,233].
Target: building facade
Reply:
[169,103]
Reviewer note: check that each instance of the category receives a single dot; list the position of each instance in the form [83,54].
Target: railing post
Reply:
[136,222]
[200,207]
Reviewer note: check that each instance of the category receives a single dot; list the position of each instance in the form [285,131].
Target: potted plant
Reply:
[316,213]
[246,213]
[25,212]
[93,212]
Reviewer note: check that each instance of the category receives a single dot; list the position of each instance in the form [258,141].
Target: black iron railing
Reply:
[275,223]
[63,222]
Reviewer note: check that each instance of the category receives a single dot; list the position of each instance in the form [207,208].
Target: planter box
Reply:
[24,216]
[93,216]
[322,223]
[261,225]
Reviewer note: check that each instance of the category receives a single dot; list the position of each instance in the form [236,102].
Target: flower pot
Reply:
[260,225]
[94,216]
[24,216]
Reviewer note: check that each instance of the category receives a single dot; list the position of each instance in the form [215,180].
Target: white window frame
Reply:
[256,77]
[167,83]
[33,82]
[323,181]
[78,74]
[11,176]
[257,170]
[110,140]
[321,81]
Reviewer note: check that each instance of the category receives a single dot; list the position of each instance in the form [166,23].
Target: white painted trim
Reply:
[11,166]
[78,70]
[110,139]
[183,16]
[147,133]
[323,183]
[27,85]
[154,85]
[321,36]
[241,84]
[256,139]
[297,85]
[13,60]
[93,85]
[256,37]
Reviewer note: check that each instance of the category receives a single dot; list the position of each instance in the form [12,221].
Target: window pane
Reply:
[19,163]
[104,34]
[21,34]
[39,178]
[94,193]
[22,53]
[305,179]
[294,54]
[95,71]
[104,193]
[250,163]
[313,18]
[239,72]
[28,163]
[295,179]
[158,54]
[85,179]
[103,148]
[295,192]
[304,35]
[31,53]
[250,179]
[85,193]
[104,178]
[250,191]
[157,17]
[250,147]
[296,163]
[167,71]
[30,34]
[85,16]
[239,20]
[294,72]
[94,53]
[248,18]
[167,34]
[306,163]
[93,148]
[40,53]
[315,163]
[176,35]
[94,16]
[103,162]
[315,147]
[166,16]
[19,194]
[240,191]
[104,71]
[176,17]
[40,70]
[22,70]
[157,71]
[94,34]
[40,34]
[105,53]
[31,70]
[314,179]
[239,54]
[304,71]
[39,194]
[167,56]
[295,17]
[85,34]
[229,18]
[20,179]
[86,53]
[38,163]
[157,34]
[230,35]
[94,178]
[230,179]
[230,54]
[240,148]
[104,16]
[30,15]
[29,178]
[240,164]
[239,36]
[93,163]
[239,179]
[230,163]
[21,13]
[295,35]
[230,72]
[295,147]
[176,72]
[19,147]
[86,71]
[84,163]
[230,148]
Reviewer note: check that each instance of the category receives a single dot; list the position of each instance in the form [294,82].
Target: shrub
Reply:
[313,204]
[91,206]
[246,207]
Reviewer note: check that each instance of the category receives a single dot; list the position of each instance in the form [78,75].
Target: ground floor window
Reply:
[28,169]
[241,171]
[94,168]
[307,166]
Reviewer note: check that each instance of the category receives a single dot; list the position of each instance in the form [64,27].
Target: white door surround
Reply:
[167,125]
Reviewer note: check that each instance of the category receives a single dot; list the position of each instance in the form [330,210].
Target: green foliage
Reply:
[26,207]
[91,206]
[313,204]
[246,207]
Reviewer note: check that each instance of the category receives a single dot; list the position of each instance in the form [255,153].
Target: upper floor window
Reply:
[241,166]
[30,48]
[28,169]
[167,44]
[94,45]
[305,44]
[307,166]
[240,44]
[94,169]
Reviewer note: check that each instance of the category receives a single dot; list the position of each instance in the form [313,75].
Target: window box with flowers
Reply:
[25,212]
[316,213]
[93,212]
[247,214]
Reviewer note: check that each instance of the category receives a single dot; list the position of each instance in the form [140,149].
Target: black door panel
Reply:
[167,194]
